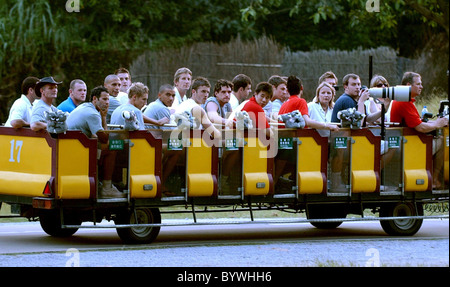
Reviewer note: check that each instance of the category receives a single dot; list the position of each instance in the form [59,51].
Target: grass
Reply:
[6,210]
[432,101]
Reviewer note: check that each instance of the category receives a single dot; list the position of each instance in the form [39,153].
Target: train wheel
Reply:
[401,227]
[50,221]
[326,212]
[139,235]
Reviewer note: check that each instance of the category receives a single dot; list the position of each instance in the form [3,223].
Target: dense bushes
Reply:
[41,38]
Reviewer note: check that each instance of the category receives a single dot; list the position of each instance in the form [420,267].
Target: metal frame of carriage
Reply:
[55,178]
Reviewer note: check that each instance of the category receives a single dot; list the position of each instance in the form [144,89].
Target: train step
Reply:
[284,195]
[111,200]
[229,196]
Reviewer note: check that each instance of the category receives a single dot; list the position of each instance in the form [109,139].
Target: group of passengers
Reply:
[279,95]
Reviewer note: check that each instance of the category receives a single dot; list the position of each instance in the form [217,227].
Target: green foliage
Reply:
[433,11]
[385,23]
[39,37]
[27,29]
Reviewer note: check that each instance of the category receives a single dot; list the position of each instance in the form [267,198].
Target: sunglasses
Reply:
[381,85]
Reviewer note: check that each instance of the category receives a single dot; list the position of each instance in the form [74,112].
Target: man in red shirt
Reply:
[406,113]
[254,107]
[296,102]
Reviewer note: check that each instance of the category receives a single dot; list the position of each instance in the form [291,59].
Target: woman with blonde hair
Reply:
[374,108]
[321,107]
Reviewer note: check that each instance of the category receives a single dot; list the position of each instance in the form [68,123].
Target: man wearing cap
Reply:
[20,112]
[47,90]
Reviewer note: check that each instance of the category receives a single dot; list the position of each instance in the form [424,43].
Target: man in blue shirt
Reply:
[351,98]
[77,95]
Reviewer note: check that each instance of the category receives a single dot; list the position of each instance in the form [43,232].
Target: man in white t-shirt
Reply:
[200,92]
[20,112]
[242,87]
[182,80]
[125,83]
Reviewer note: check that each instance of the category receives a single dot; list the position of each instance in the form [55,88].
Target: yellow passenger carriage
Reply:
[55,177]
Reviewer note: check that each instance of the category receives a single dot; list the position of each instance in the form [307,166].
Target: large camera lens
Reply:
[398,93]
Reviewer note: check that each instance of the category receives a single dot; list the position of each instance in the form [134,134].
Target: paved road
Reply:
[352,244]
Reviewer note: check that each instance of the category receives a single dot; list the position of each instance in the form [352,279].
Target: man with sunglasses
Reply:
[406,113]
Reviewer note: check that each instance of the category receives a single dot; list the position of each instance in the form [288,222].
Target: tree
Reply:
[434,12]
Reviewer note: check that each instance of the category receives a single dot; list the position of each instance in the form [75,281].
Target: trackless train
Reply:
[55,177]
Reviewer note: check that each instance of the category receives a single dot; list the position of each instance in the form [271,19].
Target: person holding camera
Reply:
[407,115]
[353,96]
[372,108]
[406,112]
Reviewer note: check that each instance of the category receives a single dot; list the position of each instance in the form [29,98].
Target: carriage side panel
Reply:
[77,166]
[145,165]
[201,161]
[312,162]
[26,159]
[257,166]
[365,161]
[417,161]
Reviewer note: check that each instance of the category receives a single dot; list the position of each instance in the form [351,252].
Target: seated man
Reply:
[218,107]
[242,87]
[200,92]
[47,90]
[406,113]
[77,95]
[112,84]
[137,98]
[280,95]
[182,81]
[159,110]
[20,112]
[90,118]
[296,102]
[125,83]
[254,107]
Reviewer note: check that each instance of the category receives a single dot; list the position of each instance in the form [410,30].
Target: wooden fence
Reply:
[262,58]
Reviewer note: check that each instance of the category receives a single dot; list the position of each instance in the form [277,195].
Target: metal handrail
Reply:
[238,222]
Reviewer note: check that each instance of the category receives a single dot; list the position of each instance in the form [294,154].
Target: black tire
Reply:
[326,212]
[139,235]
[50,221]
[401,227]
